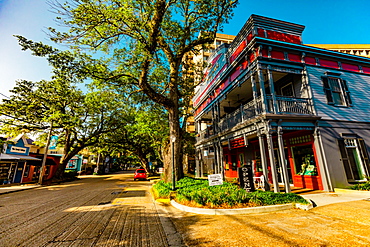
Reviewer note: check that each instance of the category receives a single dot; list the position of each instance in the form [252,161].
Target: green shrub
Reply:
[161,190]
[362,186]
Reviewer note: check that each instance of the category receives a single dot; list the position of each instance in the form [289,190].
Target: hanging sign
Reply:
[53,142]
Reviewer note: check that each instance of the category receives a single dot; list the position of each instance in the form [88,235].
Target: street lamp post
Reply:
[173,139]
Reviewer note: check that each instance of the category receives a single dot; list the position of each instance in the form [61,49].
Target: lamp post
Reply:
[173,139]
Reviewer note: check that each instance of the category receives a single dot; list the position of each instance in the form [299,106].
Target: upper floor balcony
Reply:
[252,109]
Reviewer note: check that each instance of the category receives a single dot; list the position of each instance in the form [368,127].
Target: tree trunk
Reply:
[175,148]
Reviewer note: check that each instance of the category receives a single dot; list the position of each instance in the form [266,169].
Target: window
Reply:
[227,166]
[287,90]
[233,162]
[304,160]
[355,158]
[336,91]
[26,171]
[241,160]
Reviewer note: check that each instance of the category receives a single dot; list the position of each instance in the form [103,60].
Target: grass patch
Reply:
[197,193]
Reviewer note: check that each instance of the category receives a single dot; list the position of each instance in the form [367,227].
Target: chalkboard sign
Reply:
[246,178]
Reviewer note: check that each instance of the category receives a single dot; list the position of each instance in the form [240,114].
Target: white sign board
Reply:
[20,150]
[215,179]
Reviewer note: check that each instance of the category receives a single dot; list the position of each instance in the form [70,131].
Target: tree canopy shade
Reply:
[146,44]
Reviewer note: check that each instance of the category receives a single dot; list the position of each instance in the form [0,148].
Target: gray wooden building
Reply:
[297,114]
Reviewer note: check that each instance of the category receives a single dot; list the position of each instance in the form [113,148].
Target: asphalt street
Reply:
[110,210]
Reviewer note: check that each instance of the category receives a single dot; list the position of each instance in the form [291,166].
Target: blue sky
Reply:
[326,21]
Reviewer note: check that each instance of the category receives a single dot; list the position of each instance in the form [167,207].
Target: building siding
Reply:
[358,86]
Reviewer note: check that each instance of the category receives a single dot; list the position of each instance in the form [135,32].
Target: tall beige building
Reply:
[353,49]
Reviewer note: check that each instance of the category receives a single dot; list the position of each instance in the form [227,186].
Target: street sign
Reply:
[215,179]
[245,174]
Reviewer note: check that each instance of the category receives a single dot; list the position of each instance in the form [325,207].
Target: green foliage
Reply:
[161,189]
[228,194]
[361,186]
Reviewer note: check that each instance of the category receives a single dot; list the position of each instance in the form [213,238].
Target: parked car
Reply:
[140,174]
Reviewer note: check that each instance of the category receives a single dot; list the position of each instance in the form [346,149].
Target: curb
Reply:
[252,210]
[9,190]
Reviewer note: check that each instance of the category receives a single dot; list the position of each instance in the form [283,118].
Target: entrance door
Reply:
[12,172]
[19,173]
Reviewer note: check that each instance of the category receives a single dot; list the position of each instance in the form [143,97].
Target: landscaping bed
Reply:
[197,193]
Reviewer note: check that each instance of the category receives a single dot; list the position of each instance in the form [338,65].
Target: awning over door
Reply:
[16,157]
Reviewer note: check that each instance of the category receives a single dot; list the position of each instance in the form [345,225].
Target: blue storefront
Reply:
[13,162]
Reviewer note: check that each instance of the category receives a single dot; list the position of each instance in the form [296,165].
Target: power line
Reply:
[5,96]
[37,125]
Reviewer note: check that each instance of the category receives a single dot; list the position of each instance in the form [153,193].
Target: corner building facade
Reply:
[297,114]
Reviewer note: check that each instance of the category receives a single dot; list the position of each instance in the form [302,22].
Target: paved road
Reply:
[110,210]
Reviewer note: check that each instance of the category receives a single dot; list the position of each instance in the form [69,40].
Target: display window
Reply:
[226,161]
[233,162]
[304,160]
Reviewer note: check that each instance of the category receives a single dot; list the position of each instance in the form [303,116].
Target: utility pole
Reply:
[45,154]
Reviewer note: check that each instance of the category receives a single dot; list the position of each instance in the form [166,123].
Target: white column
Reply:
[263,160]
[270,146]
[261,80]
[283,164]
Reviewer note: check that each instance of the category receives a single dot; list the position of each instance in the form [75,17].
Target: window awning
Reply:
[16,157]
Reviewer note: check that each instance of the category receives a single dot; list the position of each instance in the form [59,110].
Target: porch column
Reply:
[263,161]
[323,164]
[270,146]
[254,90]
[307,87]
[221,160]
[201,162]
[282,160]
[261,80]
[197,161]
[216,160]
[272,90]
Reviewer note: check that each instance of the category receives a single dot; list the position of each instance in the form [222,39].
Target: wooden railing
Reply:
[284,105]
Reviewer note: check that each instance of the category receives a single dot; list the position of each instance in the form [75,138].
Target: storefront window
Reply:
[304,160]
[241,160]
[233,162]
[226,162]
[72,164]
[26,171]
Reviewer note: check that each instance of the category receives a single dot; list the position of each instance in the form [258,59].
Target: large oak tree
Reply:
[146,43]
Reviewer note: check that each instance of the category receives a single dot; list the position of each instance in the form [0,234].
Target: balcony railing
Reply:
[284,105]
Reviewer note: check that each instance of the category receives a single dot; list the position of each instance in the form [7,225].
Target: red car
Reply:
[140,174]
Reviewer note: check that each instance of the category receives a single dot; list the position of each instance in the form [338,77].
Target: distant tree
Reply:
[79,119]
[146,43]
[144,134]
